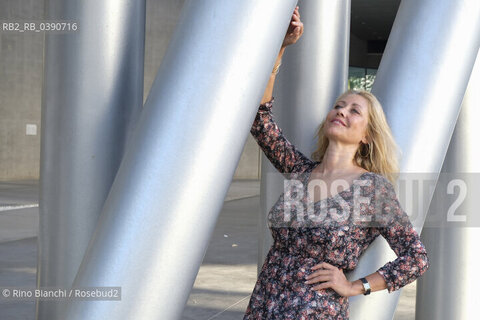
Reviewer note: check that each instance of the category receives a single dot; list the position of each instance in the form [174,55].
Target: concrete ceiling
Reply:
[373,19]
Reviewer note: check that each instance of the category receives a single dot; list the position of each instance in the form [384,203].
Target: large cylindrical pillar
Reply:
[314,73]
[92,96]
[450,289]
[159,215]
[421,81]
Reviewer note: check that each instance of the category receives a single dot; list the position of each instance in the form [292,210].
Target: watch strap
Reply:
[366,286]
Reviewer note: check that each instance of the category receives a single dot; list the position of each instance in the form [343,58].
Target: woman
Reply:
[303,274]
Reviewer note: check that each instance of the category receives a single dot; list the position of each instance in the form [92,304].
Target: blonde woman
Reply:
[303,274]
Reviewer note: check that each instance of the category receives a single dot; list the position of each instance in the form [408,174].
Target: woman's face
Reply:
[347,121]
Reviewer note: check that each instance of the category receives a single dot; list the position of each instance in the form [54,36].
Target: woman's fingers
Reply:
[295,29]
[296,15]
[319,278]
[296,18]
[329,276]
[322,286]
[319,273]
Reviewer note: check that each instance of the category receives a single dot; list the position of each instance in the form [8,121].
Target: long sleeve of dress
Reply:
[284,156]
[396,228]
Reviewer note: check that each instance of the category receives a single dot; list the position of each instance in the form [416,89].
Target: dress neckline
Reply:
[307,178]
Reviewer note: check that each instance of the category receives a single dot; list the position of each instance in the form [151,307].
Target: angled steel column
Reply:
[421,82]
[313,74]
[92,96]
[157,220]
[450,289]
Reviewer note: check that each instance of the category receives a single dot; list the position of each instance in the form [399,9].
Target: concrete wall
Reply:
[21,68]
[160,14]
[21,64]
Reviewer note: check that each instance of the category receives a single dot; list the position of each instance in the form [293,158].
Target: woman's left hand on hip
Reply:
[330,277]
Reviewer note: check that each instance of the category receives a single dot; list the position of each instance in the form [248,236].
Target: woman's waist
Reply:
[307,256]
[293,248]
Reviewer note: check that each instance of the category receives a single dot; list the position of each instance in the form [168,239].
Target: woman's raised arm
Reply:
[294,32]
[281,153]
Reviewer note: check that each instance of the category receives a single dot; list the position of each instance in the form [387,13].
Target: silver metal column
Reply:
[450,289]
[421,82]
[314,73]
[157,220]
[92,96]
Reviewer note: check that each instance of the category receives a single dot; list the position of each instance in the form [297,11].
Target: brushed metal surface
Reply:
[157,220]
[92,96]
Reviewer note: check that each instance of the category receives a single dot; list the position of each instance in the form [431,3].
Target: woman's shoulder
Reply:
[375,175]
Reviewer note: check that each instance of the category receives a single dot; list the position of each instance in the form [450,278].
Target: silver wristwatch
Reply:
[366,286]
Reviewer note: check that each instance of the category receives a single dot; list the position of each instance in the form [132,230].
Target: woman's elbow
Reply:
[423,263]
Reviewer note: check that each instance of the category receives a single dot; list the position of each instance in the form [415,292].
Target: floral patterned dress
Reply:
[336,230]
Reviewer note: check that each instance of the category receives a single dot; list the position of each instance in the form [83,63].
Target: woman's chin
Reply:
[333,134]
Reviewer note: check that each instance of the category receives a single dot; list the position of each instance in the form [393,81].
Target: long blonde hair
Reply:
[381,153]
